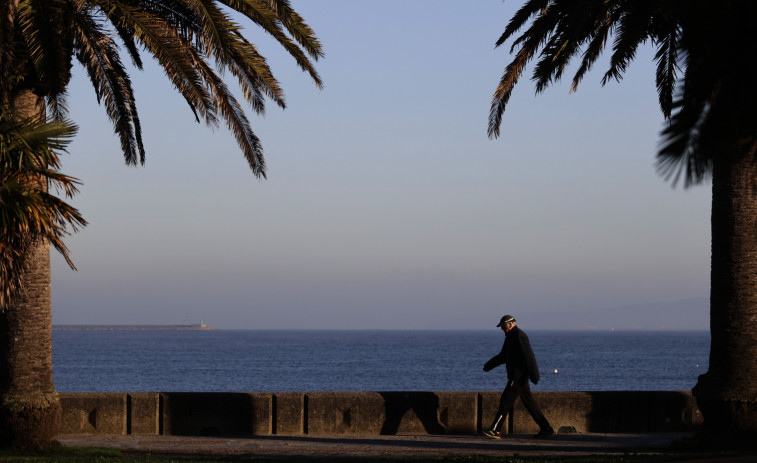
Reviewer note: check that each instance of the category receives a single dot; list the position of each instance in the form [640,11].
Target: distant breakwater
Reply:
[195,327]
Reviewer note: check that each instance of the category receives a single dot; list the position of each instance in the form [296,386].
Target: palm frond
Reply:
[529,9]
[8,15]
[235,119]
[29,161]
[562,29]
[261,13]
[98,54]
[48,48]
[542,27]
[507,84]
[598,39]
[529,43]
[194,41]
[57,105]
[570,31]
[679,155]
[634,28]
[223,42]
[667,69]
[707,108]
[127,38]
[175,55]
[295,24]
[254,77]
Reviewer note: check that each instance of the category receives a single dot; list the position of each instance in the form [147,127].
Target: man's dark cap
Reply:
[505,319]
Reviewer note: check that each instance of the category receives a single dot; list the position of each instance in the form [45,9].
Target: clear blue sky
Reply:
[386,205]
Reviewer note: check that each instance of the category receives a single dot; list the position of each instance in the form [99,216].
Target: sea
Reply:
[402,360]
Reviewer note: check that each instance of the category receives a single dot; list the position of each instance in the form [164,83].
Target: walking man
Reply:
[521,366]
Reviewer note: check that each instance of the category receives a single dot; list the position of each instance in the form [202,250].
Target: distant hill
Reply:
[687,314]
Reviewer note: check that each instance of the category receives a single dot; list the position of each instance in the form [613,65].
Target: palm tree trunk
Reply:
[29,405]
[30,409]
[727,393]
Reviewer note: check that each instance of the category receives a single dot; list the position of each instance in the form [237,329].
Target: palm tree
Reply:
[29,164]
[31,219]
[40,39]
[705,81]
[194,41]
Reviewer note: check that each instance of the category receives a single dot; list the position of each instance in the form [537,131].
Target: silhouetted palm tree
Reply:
[705,80]
[193,41]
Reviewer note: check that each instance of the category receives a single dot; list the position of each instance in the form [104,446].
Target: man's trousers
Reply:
[512,391]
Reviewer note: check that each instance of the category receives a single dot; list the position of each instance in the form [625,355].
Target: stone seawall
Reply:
[368,413]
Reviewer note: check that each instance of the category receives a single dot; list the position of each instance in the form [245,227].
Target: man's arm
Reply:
[494,362]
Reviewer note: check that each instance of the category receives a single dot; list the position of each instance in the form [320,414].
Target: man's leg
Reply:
[506,401]
[534,410]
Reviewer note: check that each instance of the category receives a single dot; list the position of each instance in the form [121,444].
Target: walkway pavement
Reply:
[402,445]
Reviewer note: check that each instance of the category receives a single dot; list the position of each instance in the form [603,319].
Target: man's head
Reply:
[506,323]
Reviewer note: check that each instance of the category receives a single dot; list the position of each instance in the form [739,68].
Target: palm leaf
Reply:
[569,33]
[8,15]
[186,37]
[236,120]
[593,51]
[262,14]
[529,9]
[297,27]
[28,162]
[173,54]
[633,29]
[127,38]
[47,47]
[223,42]
[529,43]
[99,56]
[667,69]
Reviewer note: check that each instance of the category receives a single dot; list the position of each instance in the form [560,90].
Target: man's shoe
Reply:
[544,433]
[492,434]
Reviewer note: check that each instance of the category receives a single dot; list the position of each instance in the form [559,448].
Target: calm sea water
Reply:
[284,361]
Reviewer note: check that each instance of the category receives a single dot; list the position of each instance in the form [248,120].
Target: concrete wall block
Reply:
[457,412]
[672,411]
[93,413]
[144,413]
[619,411]
[415,412]
[262,413]
[289,413]
[357,413]
[207,414]
[692,416]
[604,412]
[489,403]
[560,409]
[633,411]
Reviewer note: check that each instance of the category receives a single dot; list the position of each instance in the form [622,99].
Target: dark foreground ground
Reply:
[319,447]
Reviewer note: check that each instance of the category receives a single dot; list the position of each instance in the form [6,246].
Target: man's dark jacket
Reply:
[517,354]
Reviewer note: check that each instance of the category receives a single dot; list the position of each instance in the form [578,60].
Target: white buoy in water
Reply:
[555,372]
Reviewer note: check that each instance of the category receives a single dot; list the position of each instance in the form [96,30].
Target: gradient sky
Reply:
[386,205]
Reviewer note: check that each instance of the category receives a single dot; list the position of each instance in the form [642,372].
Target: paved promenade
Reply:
[402,445]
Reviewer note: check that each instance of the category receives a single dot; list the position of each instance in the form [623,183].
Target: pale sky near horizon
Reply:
[386,205]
